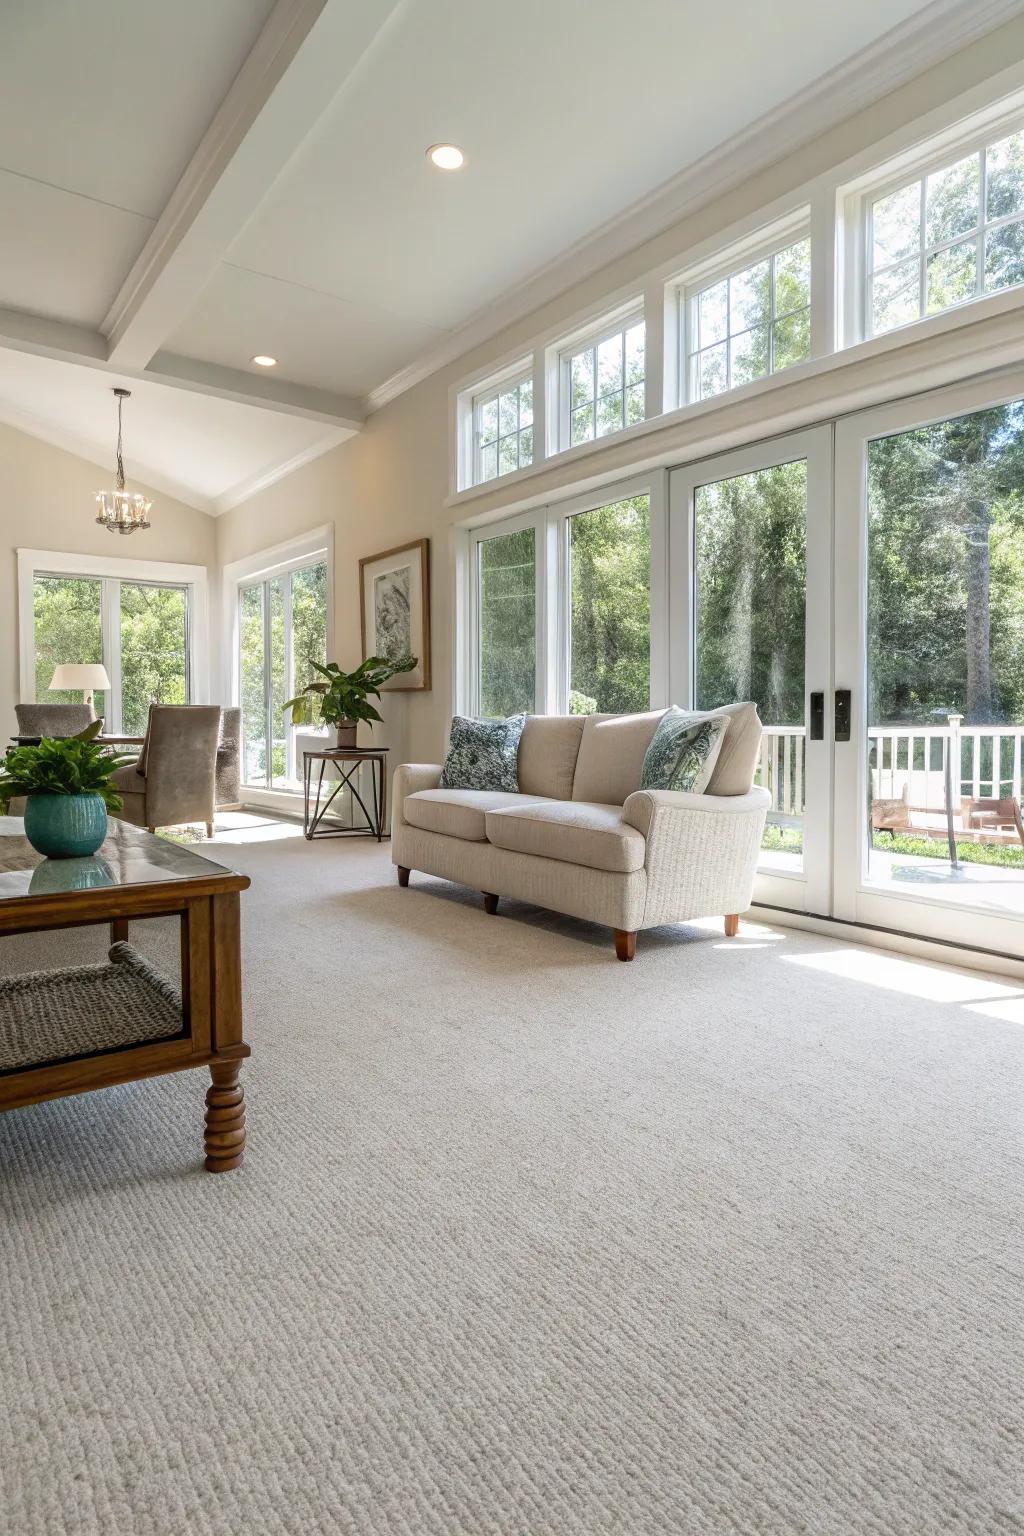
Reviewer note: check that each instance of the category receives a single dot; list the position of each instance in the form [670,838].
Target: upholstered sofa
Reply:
[581,837]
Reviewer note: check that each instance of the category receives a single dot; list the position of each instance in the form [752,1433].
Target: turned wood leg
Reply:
[732,925]
[403,874]
[224,1138]
[118,930]
[490,903]
[625,943]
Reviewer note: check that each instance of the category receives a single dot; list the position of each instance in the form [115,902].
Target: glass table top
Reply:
[127,857]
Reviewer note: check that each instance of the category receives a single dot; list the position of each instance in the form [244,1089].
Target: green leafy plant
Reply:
[74,765]
[345,696]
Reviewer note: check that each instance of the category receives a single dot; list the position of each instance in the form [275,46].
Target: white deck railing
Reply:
[990,758]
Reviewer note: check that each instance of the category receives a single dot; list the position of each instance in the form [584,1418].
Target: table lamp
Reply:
[86,676]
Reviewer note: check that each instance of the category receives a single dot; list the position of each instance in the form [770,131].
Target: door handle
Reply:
[817,717]
[842,720]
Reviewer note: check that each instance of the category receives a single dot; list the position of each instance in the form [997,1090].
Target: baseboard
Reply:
[938,950]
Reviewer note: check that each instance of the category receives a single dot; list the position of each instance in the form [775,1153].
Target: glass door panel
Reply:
[610,608]
[750,535]
[252,693]
[507,622]
[929,805]
[750,548]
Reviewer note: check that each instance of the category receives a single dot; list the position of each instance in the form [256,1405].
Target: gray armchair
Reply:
[229,761]
[53,720]
[175,779]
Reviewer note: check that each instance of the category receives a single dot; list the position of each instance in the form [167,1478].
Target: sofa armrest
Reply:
[701,851]
[643,805]
[409,779]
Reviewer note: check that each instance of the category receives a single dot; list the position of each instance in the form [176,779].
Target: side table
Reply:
[347,760]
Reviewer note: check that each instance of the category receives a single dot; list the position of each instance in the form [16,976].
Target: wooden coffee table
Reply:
[133,876]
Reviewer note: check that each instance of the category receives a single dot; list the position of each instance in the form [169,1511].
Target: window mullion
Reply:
[111,632]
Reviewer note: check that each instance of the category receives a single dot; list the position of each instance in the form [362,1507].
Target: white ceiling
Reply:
[307,221]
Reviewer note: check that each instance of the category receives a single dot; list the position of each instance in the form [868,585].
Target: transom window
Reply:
[503,429]
[754,321]
[601,382]
[950,235]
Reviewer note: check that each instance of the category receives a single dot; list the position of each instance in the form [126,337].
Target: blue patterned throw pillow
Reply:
[483,754]
[683,752]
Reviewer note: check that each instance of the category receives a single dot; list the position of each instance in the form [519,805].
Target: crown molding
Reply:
[941,29]
[100,455]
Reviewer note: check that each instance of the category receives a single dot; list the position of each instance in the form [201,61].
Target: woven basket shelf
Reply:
[86,1009]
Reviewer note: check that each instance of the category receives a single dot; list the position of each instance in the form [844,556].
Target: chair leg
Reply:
[209,829]
[732,925]
[625,944]
[151,830]
[490,903]
[403,874]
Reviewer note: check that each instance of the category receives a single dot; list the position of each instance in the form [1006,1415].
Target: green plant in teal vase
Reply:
[67,791]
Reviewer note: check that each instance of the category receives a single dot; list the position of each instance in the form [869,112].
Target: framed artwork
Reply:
[394,607]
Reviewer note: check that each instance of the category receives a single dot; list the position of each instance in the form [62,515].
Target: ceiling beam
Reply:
[272,394]
[306,51]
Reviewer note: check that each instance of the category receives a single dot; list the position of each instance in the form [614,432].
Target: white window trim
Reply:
[493,391]
[729,262]
[465,397]
[552,629]
[47,562]
[936,151]
[279,560]
[618,321]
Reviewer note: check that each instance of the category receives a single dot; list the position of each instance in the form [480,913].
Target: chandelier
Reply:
[122,511]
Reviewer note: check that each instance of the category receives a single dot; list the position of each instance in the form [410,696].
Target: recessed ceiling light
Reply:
[447,157]
[263,361]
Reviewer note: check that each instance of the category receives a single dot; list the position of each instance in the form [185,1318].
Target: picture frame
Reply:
[394,610]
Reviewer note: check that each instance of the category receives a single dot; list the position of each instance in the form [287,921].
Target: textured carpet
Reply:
[527,1242]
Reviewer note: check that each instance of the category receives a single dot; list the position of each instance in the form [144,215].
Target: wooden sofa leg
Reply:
[732,925]
[490,903]
[625,944]
[403,874]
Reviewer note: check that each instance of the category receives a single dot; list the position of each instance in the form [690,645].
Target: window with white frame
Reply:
[952,233]
[138,623]
[749,322]
[601,381]
[503,428]
[561,610]
[282,636]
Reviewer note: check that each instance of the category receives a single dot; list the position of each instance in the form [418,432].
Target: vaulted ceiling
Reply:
[185,185]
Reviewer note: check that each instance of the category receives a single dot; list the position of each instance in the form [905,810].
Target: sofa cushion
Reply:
[455,812]
[482,754]
[612,751]
[593,836]
[737,761]
[683,752]
[548,749]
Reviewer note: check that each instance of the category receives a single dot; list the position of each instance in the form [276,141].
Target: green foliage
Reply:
[610,634]
[68,627]
[345,696]
[76,765]
[507,623]
[1005,856]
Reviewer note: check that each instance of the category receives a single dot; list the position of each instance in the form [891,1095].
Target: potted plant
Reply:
[67,791]
[345,696]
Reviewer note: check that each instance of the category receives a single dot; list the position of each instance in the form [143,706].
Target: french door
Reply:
[750,554]
[929,643]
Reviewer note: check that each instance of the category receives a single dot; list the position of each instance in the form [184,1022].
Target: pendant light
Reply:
[122,511]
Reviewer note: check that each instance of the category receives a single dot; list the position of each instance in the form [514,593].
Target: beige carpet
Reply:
[528,1242]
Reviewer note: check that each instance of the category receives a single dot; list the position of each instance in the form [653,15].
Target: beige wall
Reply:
[47,502]
[390,483]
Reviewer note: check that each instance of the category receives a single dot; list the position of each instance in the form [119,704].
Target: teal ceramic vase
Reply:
[65,826]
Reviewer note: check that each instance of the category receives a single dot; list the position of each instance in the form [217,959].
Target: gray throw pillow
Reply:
[683,751]
[483,754]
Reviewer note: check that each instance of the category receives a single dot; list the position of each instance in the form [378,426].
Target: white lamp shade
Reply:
[85,676]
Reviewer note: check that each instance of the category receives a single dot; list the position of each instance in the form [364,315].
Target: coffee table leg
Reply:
[224,1138]
[118,930]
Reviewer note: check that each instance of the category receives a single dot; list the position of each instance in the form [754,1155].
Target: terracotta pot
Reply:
[347,733]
